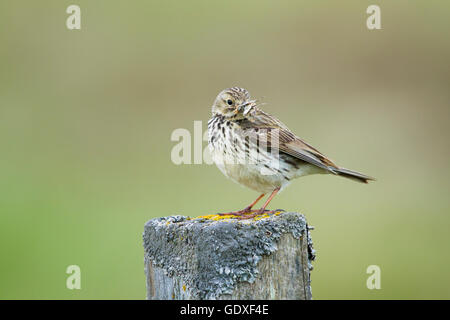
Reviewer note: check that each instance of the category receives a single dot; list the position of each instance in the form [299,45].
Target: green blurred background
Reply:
[86,118]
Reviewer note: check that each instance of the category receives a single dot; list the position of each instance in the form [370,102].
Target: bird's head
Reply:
[233,103]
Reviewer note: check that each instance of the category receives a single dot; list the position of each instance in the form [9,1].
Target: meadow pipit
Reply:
[255,149]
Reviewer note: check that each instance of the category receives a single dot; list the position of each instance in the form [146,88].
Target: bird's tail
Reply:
[353,175]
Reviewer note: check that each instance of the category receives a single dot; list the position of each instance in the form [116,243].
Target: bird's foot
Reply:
[248,213]
[238,213]
[257,213]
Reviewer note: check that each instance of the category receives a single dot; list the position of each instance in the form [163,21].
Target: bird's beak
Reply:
[246,107]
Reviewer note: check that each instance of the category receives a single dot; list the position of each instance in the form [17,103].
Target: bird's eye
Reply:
[230,102]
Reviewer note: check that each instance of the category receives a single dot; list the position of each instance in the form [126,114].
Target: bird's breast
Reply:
[244,160]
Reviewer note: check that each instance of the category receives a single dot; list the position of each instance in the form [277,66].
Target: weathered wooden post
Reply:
[220,257]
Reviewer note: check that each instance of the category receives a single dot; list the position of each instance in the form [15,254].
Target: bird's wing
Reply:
[288,142]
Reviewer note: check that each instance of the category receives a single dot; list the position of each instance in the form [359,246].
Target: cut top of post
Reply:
[213,253]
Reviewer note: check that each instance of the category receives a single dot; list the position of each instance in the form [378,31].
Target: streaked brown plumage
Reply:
[255,149]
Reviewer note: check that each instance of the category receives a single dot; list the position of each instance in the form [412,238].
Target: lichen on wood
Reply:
[222,257]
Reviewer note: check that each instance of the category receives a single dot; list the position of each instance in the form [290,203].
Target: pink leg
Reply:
[263,209]
[247,209]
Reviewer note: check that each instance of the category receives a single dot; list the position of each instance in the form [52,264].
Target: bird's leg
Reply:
[263,208]
[247,209]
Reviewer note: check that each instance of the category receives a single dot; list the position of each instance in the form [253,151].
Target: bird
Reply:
[256,150]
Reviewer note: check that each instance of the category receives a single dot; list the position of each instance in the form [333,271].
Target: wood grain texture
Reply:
[216,258]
